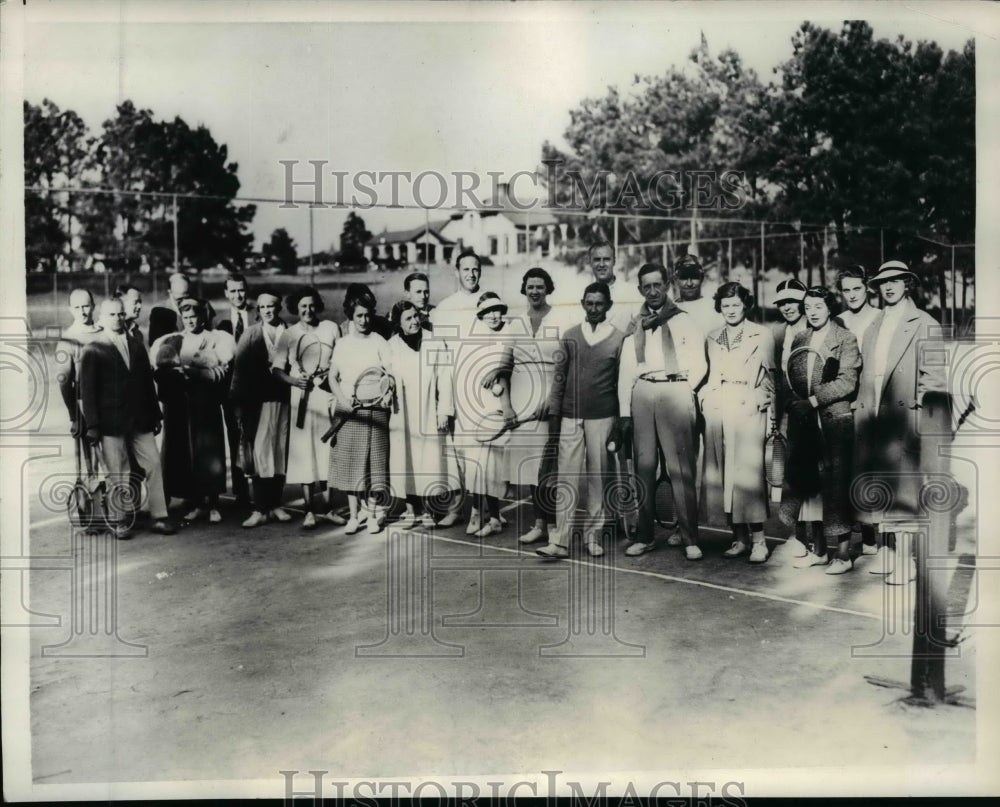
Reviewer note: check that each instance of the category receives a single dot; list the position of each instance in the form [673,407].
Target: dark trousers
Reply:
[665,423]
[241,488]
[267,492]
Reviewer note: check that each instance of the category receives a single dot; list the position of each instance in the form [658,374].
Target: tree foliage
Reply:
[353,238]
[852,132]
[145,162]
[281,251]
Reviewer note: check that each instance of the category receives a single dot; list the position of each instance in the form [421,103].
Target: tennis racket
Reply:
[665,508]
[371,388]
[797,373]
[308,355]
[775,456]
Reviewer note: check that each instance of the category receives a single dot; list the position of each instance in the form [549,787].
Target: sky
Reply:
[388,87]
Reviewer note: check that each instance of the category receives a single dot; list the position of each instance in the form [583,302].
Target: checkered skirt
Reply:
[359,461]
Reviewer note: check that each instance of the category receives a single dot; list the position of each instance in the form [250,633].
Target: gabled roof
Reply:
[405,236]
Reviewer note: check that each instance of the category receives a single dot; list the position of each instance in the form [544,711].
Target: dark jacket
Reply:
[118,400]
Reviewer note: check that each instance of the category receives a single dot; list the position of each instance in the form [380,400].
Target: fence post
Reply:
[55,289]
[802,260]
[758,275]
[177,265]
[954,287]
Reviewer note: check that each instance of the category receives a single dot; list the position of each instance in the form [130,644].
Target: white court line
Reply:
[672,578]
[56,519]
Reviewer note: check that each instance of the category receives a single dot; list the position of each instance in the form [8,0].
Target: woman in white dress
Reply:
[359,455]
[531,451]
[421,466]
[306,452]
[191,369]
[491,357]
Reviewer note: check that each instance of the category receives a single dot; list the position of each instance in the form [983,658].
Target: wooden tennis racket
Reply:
[775,456]
[372,388]
[309,357]
[665,508]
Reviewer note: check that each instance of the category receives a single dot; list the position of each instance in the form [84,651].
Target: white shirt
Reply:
[455,315]
[857,323]
[689,346]
[120,341]
[239,313]
[704,313]
[594,335]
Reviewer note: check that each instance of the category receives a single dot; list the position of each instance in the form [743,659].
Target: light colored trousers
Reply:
[583,466]
[143,447]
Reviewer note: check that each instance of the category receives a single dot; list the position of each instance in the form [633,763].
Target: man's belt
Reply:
[741,383]
[663,378]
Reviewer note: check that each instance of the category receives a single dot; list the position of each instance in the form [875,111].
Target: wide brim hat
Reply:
[490,304]
[890,270]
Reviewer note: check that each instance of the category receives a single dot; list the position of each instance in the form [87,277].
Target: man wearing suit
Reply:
[238,323]
[662,364]
[894,378]
[164,319]
[121,412]
[132,299]
[418,291]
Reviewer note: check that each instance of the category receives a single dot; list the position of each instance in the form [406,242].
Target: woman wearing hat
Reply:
[735,398]
[191,369]
[359,459]
[894,379]
[307,455]
[486,411]
[788,298]
[261,402]
[822,374]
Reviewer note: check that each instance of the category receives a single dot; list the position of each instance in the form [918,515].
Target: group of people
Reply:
[430,410]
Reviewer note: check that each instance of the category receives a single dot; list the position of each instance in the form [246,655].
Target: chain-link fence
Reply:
[142,243]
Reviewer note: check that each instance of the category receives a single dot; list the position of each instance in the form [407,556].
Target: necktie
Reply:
[239,325]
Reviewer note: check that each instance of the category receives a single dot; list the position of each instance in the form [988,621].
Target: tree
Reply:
[160,159]
[56,146]
[353,238]
[281,250]
[862,131]
[641,151]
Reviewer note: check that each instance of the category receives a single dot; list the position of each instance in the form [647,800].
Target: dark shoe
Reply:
[162,527]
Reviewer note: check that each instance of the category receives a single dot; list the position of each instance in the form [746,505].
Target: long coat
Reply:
[194,449]
[420,461]
[117,400]
[821,444]
[252,385]
[739,381]
[887,446]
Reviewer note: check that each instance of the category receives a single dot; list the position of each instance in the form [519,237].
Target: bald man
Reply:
[164,319]
[82,331]
[121,412]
